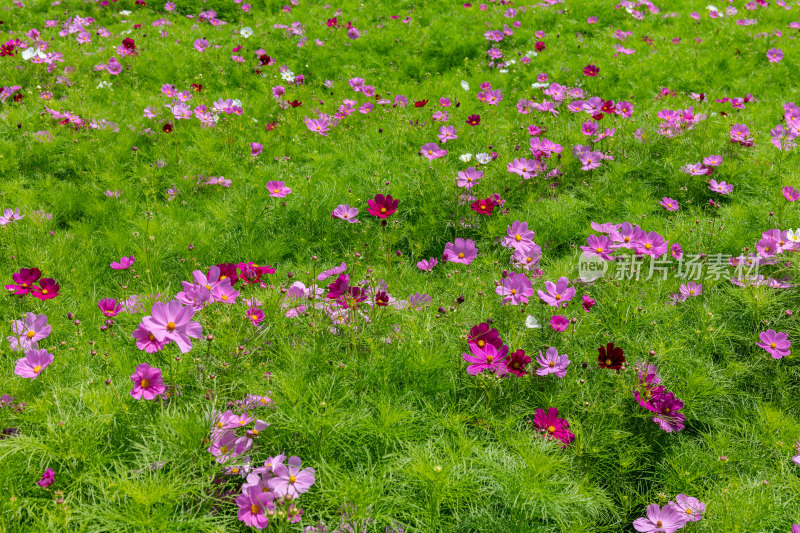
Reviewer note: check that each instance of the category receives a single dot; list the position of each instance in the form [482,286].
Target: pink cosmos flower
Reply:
[518,235]
[28,332]
[382,206]
[447,133]
[319,125]
[552,363]
[289,480]
[676,251]
[553,427]
[114,67]
[427,265]
[124,263]
[33,363]
[10,215]
[691,289]
[691,508]
[278,189]
[109,307]
[527,168]
[651,244]
[460,251]
[774,55]
[345,212]
[253,505]
[432,151]
[767,247]
[559,323]
[487,357]
[200,45]
[777,344]
[146,341]
[598,246]
[516,289]
[172,321]
[713,160]
[558,294]
[48,477]
[791,194]
[469,178]
[256,149]
[147,382]
[666,520]
[669,204]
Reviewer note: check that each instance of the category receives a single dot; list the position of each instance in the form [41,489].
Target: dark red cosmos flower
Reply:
[483,207]
[540,46]
[295,103]
[591,70]
[381,299]
[420,103]
[251,272]
[228,271]
[271,126]
[382,206]
[516,363]
[46,290]
[483,334]
[167,128]
[24,280]
[610,356]
[7,49]
[197,87]
[338,287]
[264,60]
[352,298]
[129,44]
[598,116]
[608,107]
[18,97]
[474,120]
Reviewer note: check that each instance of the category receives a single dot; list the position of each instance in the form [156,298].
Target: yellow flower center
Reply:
[292,479]
[383,209]
[599,250]
[461,255]
[255,509]
[144,383]
[235,470]
[659,524]
[513,291]
[691,291]
[224,296]
[224,449]
[37,369]
[171,326]
[772,345]
[44,291]
[666,411]
[208,286]
[767,248]
[627,239]
[430,152]
[264,401]
[648,246]
[517,238]
[345,216]
[254,317]
[608,362]
[152,337]
[551,429]
[219,425]
[30,334]
[558,296]
[276,190]
[481,343]
[688,511]
[551,364]
[489,358]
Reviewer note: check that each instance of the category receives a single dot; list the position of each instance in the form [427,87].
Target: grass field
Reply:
[496,268]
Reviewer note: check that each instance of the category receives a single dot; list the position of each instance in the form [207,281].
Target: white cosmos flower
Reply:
[483,158]
[287,75]
[466,158]
[464,85]
[246,32]
[532,323]
[30,52]
[793,236]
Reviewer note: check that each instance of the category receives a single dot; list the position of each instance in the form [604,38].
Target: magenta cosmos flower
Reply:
[382,206]
[486,358]
[598,246]
[124,263]
[658,520]
[469,178]
[346,213]
[33,363]
[256,315]
[667,408]
[516,362]
[559,323]
[24,280]
[516,289]
[691,508]
[46,290]
[790,193]
[669,204]
[552,363]
[552,426]
[278,189]
[146,341]
[518,235]
[651,244]
[432,151]
[774,55]
[147,382]
[253,506]
[48,477]
[289,480]
[427,265]
[776,343]
[109,307]
[721,187]
[29,331]
[558,294]
[460,251]
[591,71]
[172,321]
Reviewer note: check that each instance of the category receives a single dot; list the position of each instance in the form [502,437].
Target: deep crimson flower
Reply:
[610,356]
[167,128]
[295,103]
[129,44]
[338,287]
[382,206]
[228,270]
[271,126]
[516,363]
[540,46]
[608,107]
[483,207]
[381,299]
[474,120]
[24,280]
[18,97]
[331,22]
[264,59]
[483,334]
[47,289]
[591,71]
[251,272]
[7,49]
[197,87]
[352,298]
[420,103]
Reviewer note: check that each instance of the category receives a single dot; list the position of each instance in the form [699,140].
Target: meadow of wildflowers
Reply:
[399,267]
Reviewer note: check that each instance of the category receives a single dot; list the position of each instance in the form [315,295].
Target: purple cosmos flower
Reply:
[172,321]
[200,45]
[666,520]
[48,478]
[124,263]
[518,236]
[791,194]
[527,168]
[461,251]
[345,212]
[10,215]
[486,358]
[767,247]
[319,125]
[382,206]
[515,289]
[667,407]
[432,151]
[256,149]
[559,323]
[774,55]
[669,204]
[33,363]
[691,508]
[278,189]
[447,133]
[482,334]
[427,265]
[713,160]
[776,343]
[552,363]
[29,331]
[109,307]
[721,187]
[598,246]
[147,382]
[289,480]
[24,280]
[253,505]
[469,178]
[558,294]
[552,426]
[256,315]
[332,272]
[651,244]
